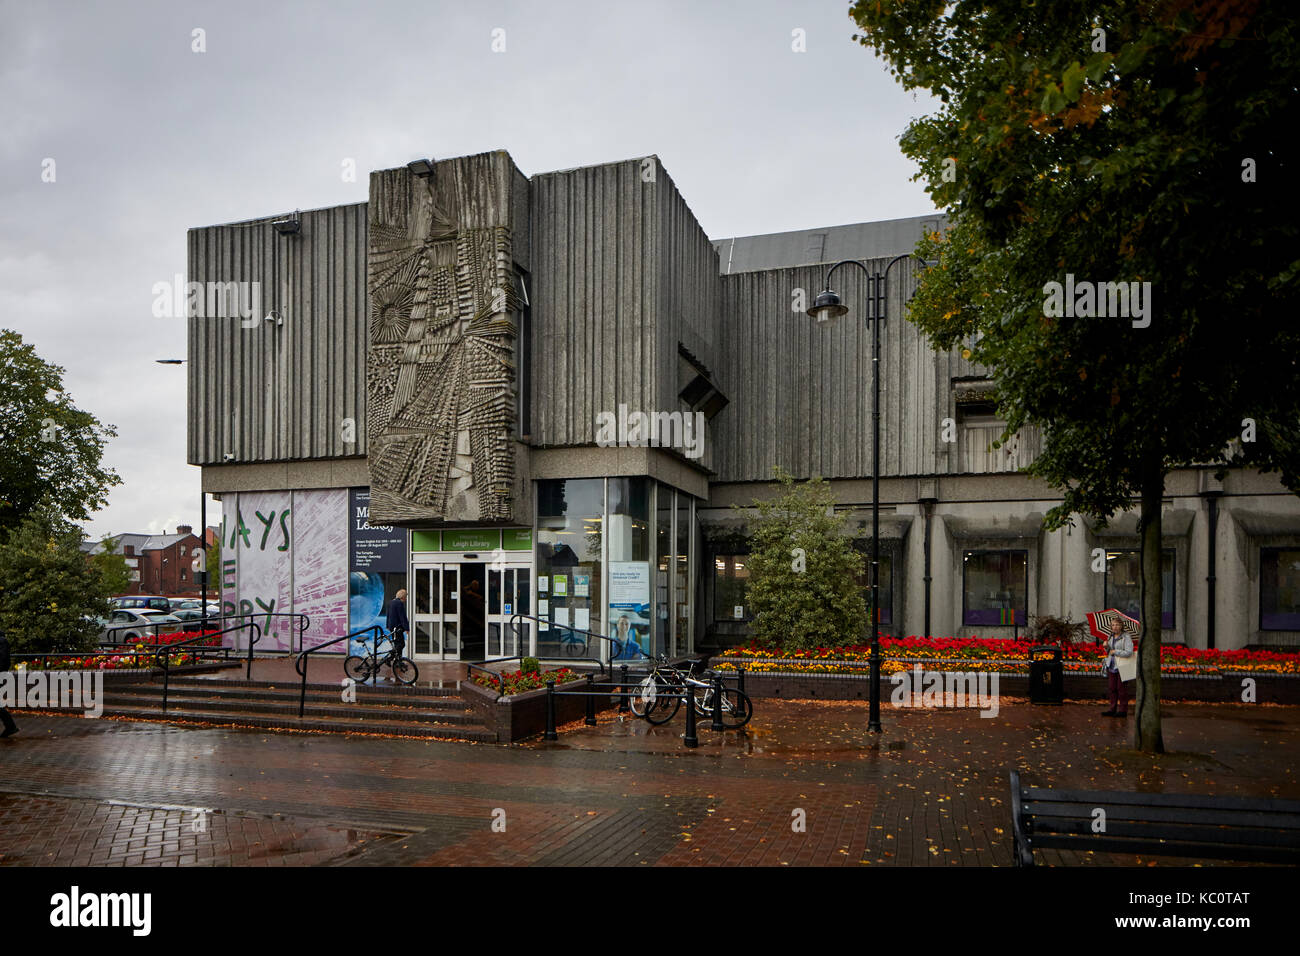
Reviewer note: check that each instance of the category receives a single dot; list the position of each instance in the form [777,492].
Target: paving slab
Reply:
[803,784]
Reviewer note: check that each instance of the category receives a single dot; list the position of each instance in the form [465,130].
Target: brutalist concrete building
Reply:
[533,400]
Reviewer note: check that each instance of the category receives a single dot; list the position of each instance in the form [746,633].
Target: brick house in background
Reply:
[159,563]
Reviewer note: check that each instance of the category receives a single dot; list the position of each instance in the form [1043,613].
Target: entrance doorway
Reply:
[473,607]
[464,609]
[509,593]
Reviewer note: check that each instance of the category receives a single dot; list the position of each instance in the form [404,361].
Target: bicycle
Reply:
[662,692]
[655,694]
[361,667]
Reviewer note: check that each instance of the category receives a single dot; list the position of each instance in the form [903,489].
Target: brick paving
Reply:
[804,784]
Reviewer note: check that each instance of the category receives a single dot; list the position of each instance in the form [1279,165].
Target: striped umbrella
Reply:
[1105,623]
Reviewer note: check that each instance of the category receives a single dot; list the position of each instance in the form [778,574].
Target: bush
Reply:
[803,570]
[530,665]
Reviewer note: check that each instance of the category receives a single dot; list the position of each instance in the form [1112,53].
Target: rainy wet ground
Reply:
[803,784]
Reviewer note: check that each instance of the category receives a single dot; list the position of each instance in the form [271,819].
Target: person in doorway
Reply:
[1118,646]
[472,614]
[398,625]
[5,717]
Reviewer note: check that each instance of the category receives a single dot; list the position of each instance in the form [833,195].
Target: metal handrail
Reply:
[565,627]
[303,625]
[301,662]
[162,657]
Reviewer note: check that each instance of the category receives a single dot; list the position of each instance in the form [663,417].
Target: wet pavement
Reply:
[803,784]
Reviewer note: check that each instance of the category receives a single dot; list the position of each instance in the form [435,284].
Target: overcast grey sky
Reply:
[150,138]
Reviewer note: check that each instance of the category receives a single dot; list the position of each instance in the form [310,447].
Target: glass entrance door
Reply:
[436,621]
[508,593]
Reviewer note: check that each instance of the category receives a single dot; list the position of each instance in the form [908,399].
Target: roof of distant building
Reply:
[141,542]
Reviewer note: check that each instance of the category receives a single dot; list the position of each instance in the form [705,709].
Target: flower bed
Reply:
[140,659]
[140,655]
[993,654]
[516,682]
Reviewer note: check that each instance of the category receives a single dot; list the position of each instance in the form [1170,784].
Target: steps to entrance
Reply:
[437,712]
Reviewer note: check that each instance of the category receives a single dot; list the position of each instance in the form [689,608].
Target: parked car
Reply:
[154,602]
[192,618]
[133,624]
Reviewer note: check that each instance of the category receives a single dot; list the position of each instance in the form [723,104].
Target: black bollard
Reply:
[622,693]
[740,679]
[717,702]
[691,739]
[550,712]
[590,720]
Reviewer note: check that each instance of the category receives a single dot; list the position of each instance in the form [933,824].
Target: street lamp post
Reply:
[827,305]
[203,530]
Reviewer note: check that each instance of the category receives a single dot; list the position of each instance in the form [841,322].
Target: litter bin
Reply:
[1046,675]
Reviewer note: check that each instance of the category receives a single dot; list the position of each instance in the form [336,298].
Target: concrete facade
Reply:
[623,303]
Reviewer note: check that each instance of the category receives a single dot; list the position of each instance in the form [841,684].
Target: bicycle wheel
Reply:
[668,699]
[574,647]
[404,670]
[737,708]
[358,668]
[644,697]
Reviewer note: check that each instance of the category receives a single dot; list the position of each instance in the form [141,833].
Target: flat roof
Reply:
[805,247]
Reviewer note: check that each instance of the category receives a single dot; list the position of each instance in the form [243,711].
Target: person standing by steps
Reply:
[1119,648]
[5,717]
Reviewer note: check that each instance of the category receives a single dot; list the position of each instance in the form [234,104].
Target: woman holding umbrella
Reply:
[1119,648]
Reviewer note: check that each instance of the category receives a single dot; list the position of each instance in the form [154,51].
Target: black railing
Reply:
[163,652]
[303,659]
[499,677]
[691,738]
[582,647]
[304,622]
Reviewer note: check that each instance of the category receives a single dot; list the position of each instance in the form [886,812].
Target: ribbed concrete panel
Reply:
[690,304]
[281,391]
[801,390]
[594,241]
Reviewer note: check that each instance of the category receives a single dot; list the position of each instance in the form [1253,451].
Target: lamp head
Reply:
[827,305]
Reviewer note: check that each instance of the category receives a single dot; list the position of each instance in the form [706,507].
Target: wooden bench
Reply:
[1161,824]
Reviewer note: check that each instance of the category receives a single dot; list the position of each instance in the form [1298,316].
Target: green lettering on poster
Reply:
[426,541]
[474,539]
[517,539]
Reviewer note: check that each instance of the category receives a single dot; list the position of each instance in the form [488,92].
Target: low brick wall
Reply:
[524,715]
[1226,688]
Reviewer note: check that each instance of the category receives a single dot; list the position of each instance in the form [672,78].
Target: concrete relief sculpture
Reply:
[440,379]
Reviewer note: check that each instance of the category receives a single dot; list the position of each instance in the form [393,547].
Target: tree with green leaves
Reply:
[50,590]
[1081,146]
[116,573]
[52,450]
[803,569]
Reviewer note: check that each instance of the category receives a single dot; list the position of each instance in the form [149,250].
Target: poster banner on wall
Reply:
[320,564]
[629,608]
[381,548]
[259,537]
[377,560]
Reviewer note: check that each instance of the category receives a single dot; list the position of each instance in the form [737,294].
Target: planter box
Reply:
[1222,688]
[524,715]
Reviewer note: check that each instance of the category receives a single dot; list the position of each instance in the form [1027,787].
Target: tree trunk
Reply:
[1148,736]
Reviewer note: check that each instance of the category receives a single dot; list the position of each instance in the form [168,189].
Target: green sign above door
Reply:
[474,539]
[426,540]
[517,539]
